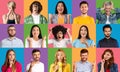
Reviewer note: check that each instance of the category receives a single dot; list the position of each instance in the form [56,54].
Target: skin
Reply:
[107,32]
[84,9]
[11,57]
[12,32]
[35,9]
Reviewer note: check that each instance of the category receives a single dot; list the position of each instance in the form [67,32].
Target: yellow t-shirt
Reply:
[60,20]
[83,20]
[66,69]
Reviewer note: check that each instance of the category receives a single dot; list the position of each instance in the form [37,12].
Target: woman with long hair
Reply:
[107,63]
[83,40]
[35,40]
[10,64]
[60,63]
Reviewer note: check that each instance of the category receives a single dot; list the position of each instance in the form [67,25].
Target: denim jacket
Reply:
[102,18]
[113,68]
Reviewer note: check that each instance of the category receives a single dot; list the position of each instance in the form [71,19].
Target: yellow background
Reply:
[44,4]
[91,28]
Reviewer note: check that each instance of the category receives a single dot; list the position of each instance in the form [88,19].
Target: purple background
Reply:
[43,58]
[4,33]
[76,9]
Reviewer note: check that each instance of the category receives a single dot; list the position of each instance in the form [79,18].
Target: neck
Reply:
[36,61]
[84,14]
[83,61]
[11,38]
[34,13]
[107,37]
[108,14]
[83,38]
[36,38]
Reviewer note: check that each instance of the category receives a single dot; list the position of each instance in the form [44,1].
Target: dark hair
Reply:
[58,28]
[38,4]
[65,9]
[35,50]
[107,26]
[111,60]
[40,35]
[10,26]
[87,36]
[83,2]
[83,51]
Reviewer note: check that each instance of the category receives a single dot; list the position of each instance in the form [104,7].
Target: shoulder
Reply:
[18,39]
[41,63]
[18,16]
[52,65]
[77,17]
[90,17]
[18,64]
[113,39]
[42,16]
[76,40]
[4,16]
[30,16]
[5,39]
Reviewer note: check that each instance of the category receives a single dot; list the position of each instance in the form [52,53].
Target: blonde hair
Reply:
[108,3]
[12,3]
[64,60]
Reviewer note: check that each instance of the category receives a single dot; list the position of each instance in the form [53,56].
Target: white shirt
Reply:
[35,44]
[39,67]
[107,22]
[62,43]
[36,19]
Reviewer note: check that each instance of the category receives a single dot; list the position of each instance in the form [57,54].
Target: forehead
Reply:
[36,53]
[107,29]
[108,53]
[84,53]
[107,6]
[11,28]
[11,52]
[83,5]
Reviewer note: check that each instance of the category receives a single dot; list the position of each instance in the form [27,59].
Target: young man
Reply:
[107,41]
[35,65]
[83,18]
[83,65]
[12,41]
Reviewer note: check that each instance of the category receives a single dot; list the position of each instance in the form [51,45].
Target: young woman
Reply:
[60,64]
[83,40]
[35,40]
[59,39]
[11,17]
[107,63]
[60,16]
[10,64]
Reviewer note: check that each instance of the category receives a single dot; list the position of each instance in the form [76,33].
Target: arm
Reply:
[69,35]
[19,68]
[21,44]
[74,67]
[68,19]
[5,19]
[5,69]
[116,68]
[43,45]
[50,18]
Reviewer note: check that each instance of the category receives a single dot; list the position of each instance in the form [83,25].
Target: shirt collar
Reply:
[84,62]
[12,39]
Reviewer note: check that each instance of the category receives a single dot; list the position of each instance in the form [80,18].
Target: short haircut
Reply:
[10,26]
[83,2]
[107,26]
[36,50]
[38,4]
[83,51]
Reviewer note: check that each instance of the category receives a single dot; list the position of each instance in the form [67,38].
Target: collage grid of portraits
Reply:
[59,36]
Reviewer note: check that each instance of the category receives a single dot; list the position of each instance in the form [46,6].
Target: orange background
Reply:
[44,4]
[91,28]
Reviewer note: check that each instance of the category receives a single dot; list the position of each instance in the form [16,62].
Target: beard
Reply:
[10,35]
[107,35]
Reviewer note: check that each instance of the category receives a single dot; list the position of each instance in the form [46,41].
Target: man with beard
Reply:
[35,65]
[107,41]
[12,41]
[83,65]
[83,18]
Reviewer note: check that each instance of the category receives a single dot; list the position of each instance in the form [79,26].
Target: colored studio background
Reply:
[43,58]
[76,55]
[116,56]
[99,4]
[51,56]
[44,4]
[19,9]
[76,9]
[19,31]
[19,56]
[91,28]
[115,32]
[43,27]
[66,36]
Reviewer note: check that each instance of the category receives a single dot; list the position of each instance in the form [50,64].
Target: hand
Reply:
[32,63]
[44,38]
[56,68]
[14,15]
[112,7]
[29,39]
[11,63]
[68,29]
[102,61]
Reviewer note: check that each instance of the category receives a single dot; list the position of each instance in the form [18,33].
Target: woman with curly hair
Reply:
[59,39]
[60,64]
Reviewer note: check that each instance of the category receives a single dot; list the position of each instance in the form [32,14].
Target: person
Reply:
[35,65]
[12,41]
[59,39]
[11,17]
[108,41]
[60,16]
[35,40]
[60,63]
[83,40]
[84,18]
[107,63]
[35,17]
[108,17]
[83,65]
[11,64]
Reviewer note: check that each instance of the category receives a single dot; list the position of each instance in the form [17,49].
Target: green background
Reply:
[116,3]
[51,56]
[43,27]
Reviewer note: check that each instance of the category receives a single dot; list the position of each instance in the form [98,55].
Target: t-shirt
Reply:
[36,19]
[38,67]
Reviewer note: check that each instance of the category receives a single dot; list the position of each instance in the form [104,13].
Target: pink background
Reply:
[66,36]
[116,52]
[18,10]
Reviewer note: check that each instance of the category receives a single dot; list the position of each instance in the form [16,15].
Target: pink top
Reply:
[9,69]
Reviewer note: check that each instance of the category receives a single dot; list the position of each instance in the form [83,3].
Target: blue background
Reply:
[114,34]
[19,56]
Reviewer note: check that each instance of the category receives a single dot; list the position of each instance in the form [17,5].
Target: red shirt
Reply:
[108,70]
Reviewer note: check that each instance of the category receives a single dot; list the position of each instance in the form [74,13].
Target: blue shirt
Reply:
[14,43]
[78,44]
[83,66]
